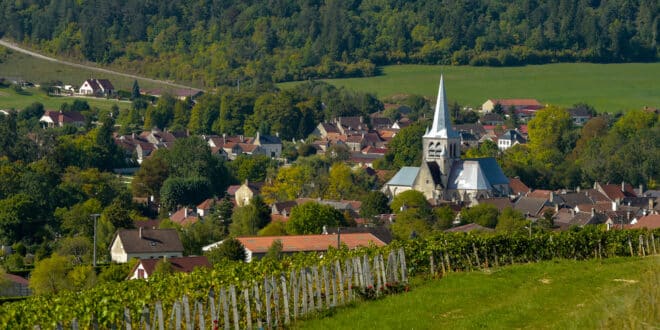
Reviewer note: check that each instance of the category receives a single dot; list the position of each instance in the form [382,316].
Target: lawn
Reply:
[10,99]
[619,293]
[607,87]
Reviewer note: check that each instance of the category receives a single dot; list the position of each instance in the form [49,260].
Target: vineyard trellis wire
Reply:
[270,294]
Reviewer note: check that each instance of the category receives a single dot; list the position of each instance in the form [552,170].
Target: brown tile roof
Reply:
[149,224]
[278,218]
[540,193]
[518,187]
[596,195]
[650,222]
[231,190]
[179,264]
[207,204]
[152,241]
[309,243]
[184,216]
[529,205]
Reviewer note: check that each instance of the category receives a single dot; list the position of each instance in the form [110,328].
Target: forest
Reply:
[211,42]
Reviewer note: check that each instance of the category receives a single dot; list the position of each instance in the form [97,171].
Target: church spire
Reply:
[441,121]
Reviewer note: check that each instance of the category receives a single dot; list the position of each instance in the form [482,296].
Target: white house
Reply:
[96,87]
[145,244]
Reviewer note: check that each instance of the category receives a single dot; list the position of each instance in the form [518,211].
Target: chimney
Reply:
[185,212]
[140,232]
[325,230]
[623,186]
[577,189]
[552,196]
[556,208]
[593,211]
[241,138]
[615,206]
[641,190]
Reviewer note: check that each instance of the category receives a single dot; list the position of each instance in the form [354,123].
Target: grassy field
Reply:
[620,293]
[607,87]
[9,99]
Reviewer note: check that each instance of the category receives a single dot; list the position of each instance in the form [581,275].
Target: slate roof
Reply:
[93,84]
[530,205]
[493,171]
[434,168]
[499,202]
[467,175]
[575,198]
[268,139]
[105,84]
[405,177]
[475,128]
[512,135]
[152,241]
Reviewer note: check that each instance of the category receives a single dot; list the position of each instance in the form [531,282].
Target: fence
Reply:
[274,301]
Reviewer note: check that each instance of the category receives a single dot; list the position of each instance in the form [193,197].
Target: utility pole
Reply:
[95,217]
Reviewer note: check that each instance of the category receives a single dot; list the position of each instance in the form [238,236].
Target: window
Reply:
[140,273]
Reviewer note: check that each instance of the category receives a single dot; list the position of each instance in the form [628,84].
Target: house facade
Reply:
[99,87]
[146,267]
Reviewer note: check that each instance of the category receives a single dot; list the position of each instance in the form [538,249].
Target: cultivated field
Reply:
[618,293]
[607,87]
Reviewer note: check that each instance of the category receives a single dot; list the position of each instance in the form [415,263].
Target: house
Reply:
[518,188]
[579,115]
[145,243]
[509,139]
[491,119]
[16,286]
[184,216]
[205,207]
[246,192]
[531,207]
[146,267]
[443,175]
[60,118]
[518,104]
[271,145]
[257,246]
[99,87]
[651,222]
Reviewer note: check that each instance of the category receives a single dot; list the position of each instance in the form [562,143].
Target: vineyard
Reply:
[272,294]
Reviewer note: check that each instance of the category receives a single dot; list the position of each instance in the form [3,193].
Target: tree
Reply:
[481,214]
[488,148]
[135,91]
[311,217]
[341,183]
[49,275]
[115,272]
[163,267]
[547,132]
[79,248]
[274,251]
[405,149]
[511,221]
[411,199]
[177,191]
[274,228]
[149,178]
[444,218]
[410,223]
[230,249]
[81,277]
[374,203]
[247,220]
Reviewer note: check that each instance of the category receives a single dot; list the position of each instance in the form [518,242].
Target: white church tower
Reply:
[441,143]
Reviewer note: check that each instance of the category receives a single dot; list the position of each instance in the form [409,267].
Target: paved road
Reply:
[15,47]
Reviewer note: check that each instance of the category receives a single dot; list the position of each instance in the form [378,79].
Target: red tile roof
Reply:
[540,193]
[650,222]
[517,102]
[309,243]
[16,279]
[517,186]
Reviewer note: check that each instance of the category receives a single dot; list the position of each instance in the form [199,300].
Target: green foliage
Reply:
[274,228]
[230,249]
[310,217]
[411,200]
[481,214]
[405,149]
[177,192]
[249,219]
[511,221]
[163,267]
[253,168]
[274,251]
[548,131]
[114,273]
[374,203]
[487,148]
[79,248]
[49,275]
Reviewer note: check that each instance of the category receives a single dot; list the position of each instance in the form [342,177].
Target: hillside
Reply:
[609,294]
[224,42]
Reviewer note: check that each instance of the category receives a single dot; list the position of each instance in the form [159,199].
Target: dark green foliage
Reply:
[374,203]
[239,44]
[230,249]
[482,214]
[310,217]
[177,192]
[405,149]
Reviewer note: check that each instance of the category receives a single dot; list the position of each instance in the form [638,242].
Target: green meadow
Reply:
[607,87]
[618,293]
[10,99]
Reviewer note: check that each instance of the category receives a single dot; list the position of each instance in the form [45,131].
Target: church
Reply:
[443,175]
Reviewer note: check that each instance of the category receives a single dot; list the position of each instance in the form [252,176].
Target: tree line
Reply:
[225,42]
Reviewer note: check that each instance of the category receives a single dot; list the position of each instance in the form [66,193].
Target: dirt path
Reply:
[15,47]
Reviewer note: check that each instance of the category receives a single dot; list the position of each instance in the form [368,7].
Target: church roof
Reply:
[441,121]
[468,175]
[492,170]
[405,177]
[436,174]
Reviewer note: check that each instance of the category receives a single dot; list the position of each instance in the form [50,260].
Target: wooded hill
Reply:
[213,42]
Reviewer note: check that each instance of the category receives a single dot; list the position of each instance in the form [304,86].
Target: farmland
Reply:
[607,87]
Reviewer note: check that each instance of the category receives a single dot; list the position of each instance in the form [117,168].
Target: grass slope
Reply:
[607,87]
[620,293]
[9,99]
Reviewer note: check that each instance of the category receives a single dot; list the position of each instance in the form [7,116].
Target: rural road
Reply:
[17,48]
